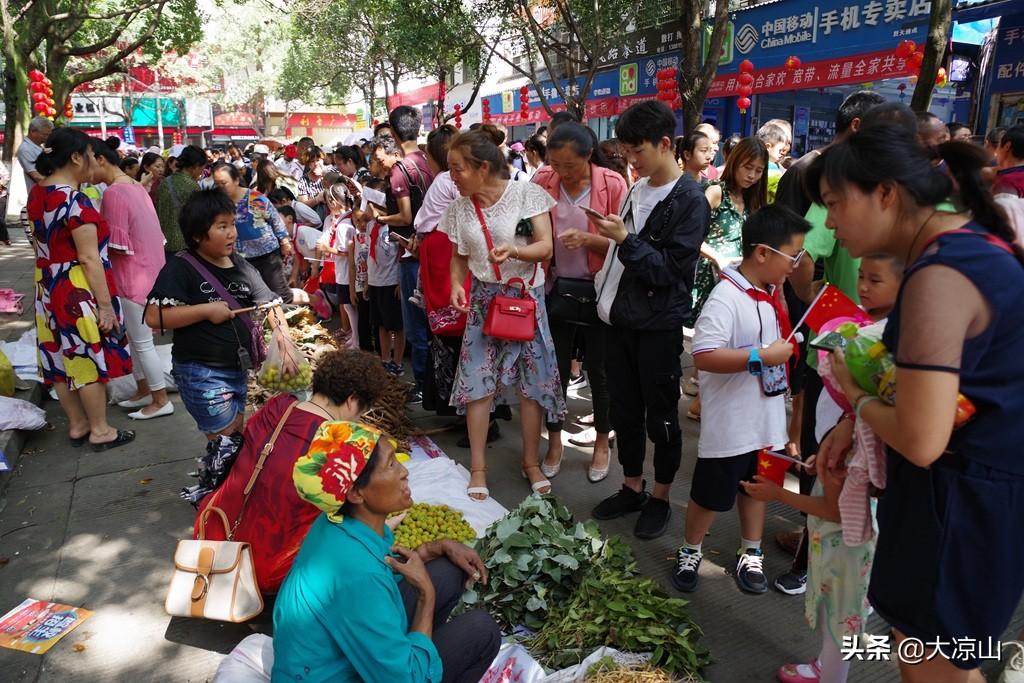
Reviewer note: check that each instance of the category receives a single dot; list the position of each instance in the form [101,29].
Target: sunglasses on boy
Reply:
[794,259]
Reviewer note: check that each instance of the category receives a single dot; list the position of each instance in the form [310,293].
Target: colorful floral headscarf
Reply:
[336,457]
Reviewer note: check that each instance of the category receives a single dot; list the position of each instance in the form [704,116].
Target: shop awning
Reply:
[984,9]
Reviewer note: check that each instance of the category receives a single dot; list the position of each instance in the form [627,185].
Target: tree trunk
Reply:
[934,51]
[16,104]
[695,78]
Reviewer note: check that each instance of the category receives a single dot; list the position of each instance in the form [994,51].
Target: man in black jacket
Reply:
[645,294]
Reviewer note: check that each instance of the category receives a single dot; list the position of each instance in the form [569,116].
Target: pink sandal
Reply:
[800,673]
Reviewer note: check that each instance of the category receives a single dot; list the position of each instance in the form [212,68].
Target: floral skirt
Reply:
[504,369]
[72,348]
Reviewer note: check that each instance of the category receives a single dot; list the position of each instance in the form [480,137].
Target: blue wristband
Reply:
[754,365]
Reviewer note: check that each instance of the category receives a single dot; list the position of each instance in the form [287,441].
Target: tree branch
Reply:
[114,65]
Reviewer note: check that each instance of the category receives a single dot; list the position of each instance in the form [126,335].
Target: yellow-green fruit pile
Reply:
[424,523]
[274,379]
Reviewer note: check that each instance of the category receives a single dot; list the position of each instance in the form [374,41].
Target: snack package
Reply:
[285,369]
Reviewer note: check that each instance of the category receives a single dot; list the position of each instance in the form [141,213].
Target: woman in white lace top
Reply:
[491,369]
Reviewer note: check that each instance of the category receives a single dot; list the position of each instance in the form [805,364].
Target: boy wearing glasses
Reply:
[740,347]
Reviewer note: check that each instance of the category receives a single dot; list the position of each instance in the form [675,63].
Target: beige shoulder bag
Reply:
[217,579]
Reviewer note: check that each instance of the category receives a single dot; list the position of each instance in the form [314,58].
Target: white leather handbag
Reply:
[214,579]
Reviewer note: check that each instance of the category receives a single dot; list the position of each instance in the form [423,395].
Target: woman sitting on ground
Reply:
[275,518]
[357,607]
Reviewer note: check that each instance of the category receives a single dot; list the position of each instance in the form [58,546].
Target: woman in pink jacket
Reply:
[577,175]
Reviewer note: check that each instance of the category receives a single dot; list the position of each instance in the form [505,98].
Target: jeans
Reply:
[140,336]
[563,333]
[469,642]
[643,383]
[414,320]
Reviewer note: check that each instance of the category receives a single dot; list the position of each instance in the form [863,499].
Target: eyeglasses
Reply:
[795,259]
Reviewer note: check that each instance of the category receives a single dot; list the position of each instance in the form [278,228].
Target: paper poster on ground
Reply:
[35,625]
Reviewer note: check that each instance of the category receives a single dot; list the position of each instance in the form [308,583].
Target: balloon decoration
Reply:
[746,83]
[524,102]
[668,87]
[41,95]
[457,110]
[906,49]
[914,55]
[485,108]
[792,62]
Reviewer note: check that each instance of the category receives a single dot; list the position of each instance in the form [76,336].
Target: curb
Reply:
[12,441]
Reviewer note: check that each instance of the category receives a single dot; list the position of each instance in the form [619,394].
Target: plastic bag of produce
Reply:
[6,376]
[285,369]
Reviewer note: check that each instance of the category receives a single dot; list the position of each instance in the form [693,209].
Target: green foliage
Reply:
[579,591]
[628,612]
[536,555]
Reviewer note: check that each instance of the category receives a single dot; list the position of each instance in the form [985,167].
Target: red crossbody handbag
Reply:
[513,318]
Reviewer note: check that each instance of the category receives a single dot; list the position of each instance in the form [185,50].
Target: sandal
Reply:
[124,436]
[80,441]
[474,491]
[551,471]
[800,673]
[537,485]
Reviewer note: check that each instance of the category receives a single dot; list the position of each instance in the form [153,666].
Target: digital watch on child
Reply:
[754,365]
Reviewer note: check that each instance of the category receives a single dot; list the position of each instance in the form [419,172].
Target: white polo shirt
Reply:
[736,417]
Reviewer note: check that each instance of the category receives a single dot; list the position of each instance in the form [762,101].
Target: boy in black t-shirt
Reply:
[211,344]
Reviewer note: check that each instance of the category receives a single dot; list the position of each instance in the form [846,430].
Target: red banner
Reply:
[321,120]
[862,68]
[421,95]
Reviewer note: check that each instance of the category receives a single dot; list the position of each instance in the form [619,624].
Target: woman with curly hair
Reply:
[275,520]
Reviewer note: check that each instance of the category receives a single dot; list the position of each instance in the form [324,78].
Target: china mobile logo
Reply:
[746,39]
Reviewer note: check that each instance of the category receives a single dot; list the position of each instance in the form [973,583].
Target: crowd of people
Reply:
[506,271]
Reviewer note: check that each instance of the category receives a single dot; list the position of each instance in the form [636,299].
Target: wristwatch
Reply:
[754,365]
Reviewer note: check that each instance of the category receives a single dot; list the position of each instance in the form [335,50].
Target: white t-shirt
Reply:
[645,198]
[342,236]
[28,152]
[520,200]
[736,417]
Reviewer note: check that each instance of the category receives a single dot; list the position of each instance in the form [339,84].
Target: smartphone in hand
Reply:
[590,212]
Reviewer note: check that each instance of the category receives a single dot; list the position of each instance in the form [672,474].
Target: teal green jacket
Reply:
[340,617]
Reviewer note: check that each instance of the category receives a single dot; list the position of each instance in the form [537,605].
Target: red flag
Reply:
[772,467]
[830,304]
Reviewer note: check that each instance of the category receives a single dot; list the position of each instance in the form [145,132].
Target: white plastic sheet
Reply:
[251,661]
[442,481]
[514,665]
[18,414]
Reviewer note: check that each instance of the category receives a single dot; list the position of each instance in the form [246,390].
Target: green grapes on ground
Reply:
[424,523]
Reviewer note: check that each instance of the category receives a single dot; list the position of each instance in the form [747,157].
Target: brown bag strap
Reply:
[206,513]
[264,454]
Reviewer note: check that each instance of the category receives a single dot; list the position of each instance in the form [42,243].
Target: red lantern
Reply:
[746,79]
[525,90]
[39,107]
[744,104]
[47,81]
[792,62]
[906,48]
[917,58]
[746,66]
[745,90]
[35,75]
[36,86]
[51,112]
[38,97]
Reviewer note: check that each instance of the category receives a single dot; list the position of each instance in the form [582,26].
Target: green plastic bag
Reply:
[6,376]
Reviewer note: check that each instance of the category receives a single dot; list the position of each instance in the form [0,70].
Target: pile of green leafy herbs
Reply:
[578,591]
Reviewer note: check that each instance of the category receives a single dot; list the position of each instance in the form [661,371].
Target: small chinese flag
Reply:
[772,468]
[830,304]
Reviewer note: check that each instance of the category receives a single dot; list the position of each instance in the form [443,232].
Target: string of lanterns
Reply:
[41,94]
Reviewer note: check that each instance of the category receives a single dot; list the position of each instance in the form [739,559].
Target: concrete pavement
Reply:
[99,529]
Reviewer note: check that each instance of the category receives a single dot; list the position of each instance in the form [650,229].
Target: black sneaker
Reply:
[415,396]
[792,583]
[622,503]
[684,578]
[653,520]
[750,571]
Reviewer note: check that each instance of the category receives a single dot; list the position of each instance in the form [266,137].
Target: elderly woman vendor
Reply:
[355,607]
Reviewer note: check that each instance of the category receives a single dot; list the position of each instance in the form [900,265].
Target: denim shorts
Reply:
[214,397]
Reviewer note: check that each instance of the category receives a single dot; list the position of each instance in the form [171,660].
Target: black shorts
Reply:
[386,307]
[716,481]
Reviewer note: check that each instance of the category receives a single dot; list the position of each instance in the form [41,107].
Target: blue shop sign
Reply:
[1008,65]
[768,34]
[626,80]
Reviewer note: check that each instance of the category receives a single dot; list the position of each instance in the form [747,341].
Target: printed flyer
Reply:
[35,625]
